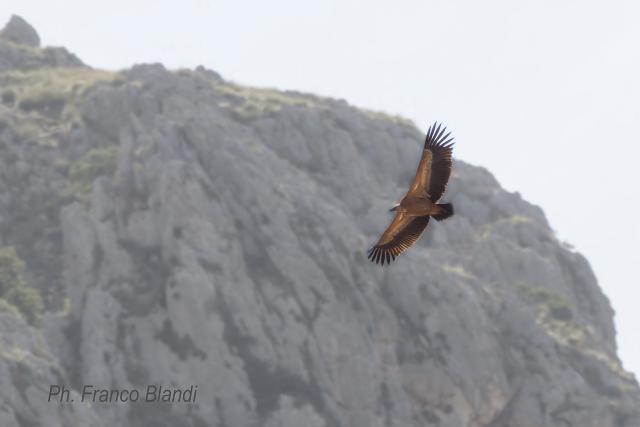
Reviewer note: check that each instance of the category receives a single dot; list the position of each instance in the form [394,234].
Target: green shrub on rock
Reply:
[14,291]
[95,163]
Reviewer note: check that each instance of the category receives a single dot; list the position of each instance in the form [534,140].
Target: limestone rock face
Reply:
[21,32]
[27,370]
[186,230]
[19,49]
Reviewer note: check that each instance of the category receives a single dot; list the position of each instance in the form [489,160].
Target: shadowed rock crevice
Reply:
[182,345]
[268,383]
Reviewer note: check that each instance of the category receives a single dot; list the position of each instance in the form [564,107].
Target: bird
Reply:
[421,202]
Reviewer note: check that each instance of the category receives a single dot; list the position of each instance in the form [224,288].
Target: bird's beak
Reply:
[395,208]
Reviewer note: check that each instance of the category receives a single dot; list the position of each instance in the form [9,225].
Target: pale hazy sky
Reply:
[545,94]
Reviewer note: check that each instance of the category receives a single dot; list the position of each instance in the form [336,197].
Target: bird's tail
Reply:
[443,211]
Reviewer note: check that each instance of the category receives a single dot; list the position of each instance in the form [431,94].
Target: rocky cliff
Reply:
[182,229]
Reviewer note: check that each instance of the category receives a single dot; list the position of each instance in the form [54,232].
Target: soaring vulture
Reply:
[421,201]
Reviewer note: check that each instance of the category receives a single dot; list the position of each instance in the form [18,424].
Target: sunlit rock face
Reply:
[184,230]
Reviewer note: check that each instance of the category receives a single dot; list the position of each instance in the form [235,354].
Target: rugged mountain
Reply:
[183,229]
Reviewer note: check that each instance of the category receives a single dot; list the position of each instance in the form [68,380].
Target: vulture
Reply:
[421,201]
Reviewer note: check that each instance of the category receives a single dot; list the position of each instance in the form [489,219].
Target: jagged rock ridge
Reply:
[187,230]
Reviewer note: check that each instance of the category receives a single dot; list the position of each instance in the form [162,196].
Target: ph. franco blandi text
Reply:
[149,393]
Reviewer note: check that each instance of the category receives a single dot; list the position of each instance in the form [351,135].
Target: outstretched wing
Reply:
[403,232]
[435,165]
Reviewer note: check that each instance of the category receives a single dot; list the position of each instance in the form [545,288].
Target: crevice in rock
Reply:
[183,345]
[268,381]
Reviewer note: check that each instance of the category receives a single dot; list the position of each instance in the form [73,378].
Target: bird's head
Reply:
[395,207]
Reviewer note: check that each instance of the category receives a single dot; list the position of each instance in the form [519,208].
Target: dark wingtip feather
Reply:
[436,136]
[380,256]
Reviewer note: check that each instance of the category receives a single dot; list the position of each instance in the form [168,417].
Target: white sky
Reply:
[544,94]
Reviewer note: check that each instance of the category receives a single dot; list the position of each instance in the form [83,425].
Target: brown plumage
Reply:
[421,201]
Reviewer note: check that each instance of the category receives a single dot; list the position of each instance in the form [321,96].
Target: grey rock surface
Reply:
[19,49]
[27,369]
[21,32]
[187,230]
